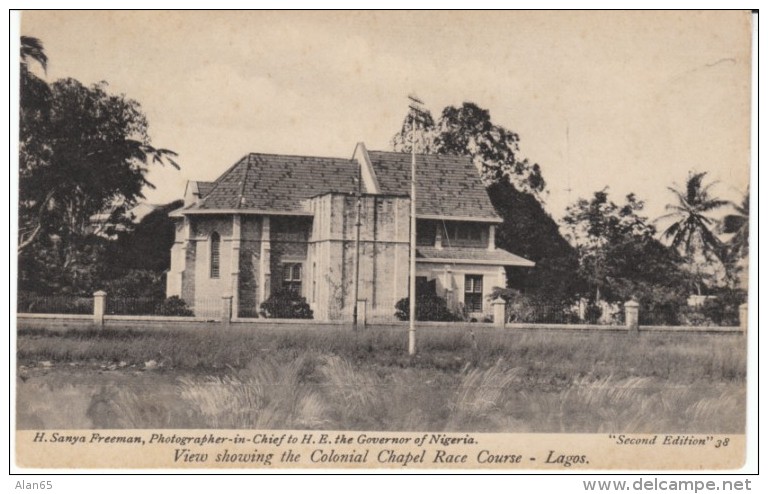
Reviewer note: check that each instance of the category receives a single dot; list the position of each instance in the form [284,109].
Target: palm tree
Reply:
[34,112]
[691,232]
[738,225]
[32,49]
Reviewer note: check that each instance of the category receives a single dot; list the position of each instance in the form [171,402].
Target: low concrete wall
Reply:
[693,329]
[297,322]
[64,322]
[227,319]
[54,322]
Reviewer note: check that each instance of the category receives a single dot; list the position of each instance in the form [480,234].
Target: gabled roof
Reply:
[269,182]
[204,188]
[470,255]
[446,186]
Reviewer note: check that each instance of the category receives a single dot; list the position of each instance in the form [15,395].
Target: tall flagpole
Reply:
[415,110]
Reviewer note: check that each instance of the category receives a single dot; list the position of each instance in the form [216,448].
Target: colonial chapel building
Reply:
[273,221]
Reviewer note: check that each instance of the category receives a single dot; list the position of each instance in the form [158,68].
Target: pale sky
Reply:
[629,100]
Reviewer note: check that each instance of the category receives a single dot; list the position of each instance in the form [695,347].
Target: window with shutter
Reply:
[473,293]
[215,252]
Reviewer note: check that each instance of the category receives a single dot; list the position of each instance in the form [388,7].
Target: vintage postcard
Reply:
[428,240]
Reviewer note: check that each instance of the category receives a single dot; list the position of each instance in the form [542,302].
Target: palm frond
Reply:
[673,229]
[693,186]
[712,204]
[680,197]
[32,48]
[732,223]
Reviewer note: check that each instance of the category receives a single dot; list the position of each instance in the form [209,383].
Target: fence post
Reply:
[743,318]
[99,307]
[226,309]
[631,310]
[499,310]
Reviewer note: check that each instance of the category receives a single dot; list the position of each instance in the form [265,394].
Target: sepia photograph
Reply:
[382,239]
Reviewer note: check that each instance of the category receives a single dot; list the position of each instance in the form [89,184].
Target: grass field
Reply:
[486,380]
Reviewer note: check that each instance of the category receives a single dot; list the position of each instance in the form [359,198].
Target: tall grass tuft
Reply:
[355,393]
[123,408]
[480,397]
[267,394]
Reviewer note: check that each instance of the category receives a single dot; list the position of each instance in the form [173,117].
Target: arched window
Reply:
[215,249]
[292,277]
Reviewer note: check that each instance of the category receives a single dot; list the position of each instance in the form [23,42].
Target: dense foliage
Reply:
[88,151]
[619,256]
[723,307]
[529,231]
[83,151]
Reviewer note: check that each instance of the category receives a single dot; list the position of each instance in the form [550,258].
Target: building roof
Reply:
[446,186]
[269,182]
[204,188]
[469,255]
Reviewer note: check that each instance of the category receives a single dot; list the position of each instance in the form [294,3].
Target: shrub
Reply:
[691,316]
[429,307]
[525,308]
[724,308]
[286,304]
[660,305]
[174,306]
[592,313]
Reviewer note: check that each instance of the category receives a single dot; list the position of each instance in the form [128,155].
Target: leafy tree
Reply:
[530,232]
[514,185]
[97,151]
[82,150]
[619,256]
[146,245]
[418,129]
[691,232]
[469,131]
[51,266]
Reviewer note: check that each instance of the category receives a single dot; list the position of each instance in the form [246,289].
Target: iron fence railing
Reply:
[208,307]
[689,316]
[54,304]
[560,314]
